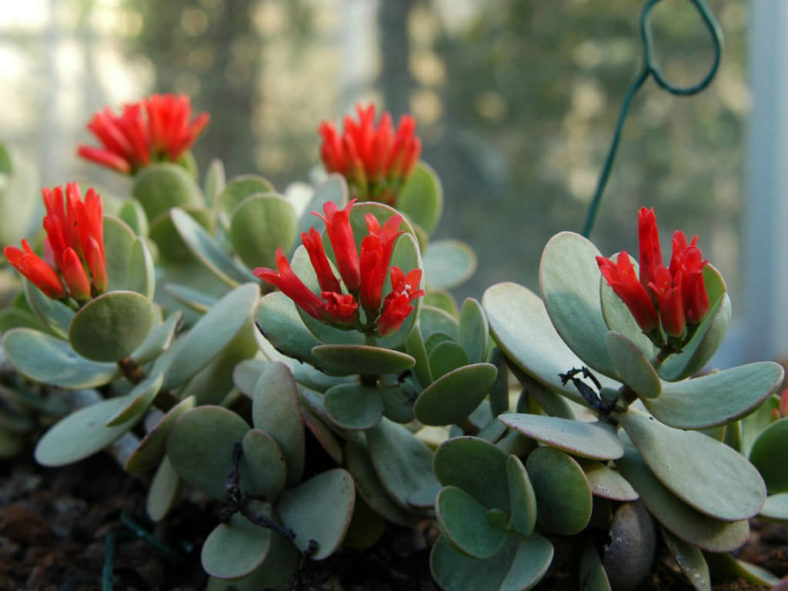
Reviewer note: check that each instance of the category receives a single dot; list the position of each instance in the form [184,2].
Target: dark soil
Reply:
[55,524]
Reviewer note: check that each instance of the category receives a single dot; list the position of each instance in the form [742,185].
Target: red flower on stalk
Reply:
[363,276]
[156,129]
[74,247]
[375,161]
[672,297]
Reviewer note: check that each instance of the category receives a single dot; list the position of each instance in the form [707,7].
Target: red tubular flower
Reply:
[396,307]
[343,242]
[676,294]
[363,276]
[650,253]
[74,246]
[621,277]
[37,271]
[375,161]
[157,128]
[290,285]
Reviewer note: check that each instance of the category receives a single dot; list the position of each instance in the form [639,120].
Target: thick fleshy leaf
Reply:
[53,314]
[354,406]
[518,566]
[754,423]
[83,433]
[463,520]
[49,360]
[163,491]
[453,396]
[690,560]
[523,330]
[368,484]
[446,356]
[214,182]
[276,410]
[703,472]
[709,335]
[133,214]
[398,400]
[682,520]
[416,348]
[632,367]
[141,274]
[402,462]
[322,433]
[364,359]
[569,281]
[563,495]
[776,507]
[434,320]
[608,483]
[716,398]
[139,399]
[522,497]
[162,186]
[208,251]
[440,298]
[282,326]
[768,453]
[111,326]
[261,224]
[629,555]
[476,466]
[421,198]
[448,263]
[235,548]
[151,449]
[591,573]
[212,333]
[200,446]
[618,317]
[474,330]
[158,340]
[266,464]
[588,440]
[726,566]
[118,240]
[275,573]
[319,510]
[172,249]
[238,189]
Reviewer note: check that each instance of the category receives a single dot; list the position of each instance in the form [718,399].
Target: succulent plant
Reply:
[538,432]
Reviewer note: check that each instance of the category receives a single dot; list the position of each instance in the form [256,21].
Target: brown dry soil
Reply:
[54,524]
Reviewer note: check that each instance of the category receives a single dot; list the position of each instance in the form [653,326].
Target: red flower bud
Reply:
[36,270]
[621,277]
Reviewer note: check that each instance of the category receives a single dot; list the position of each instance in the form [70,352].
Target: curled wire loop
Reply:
[650,68]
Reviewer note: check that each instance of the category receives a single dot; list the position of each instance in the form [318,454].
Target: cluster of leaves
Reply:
[535,431]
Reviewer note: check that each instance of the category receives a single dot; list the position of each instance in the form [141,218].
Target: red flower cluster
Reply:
[672,297]
[375,161]
[155,129]
[362,275]
[74,247]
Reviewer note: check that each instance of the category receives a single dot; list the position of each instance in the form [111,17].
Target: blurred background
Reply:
[515,101]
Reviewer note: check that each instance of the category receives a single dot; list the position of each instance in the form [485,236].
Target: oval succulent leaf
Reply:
[319,511]
[463,520]
[112,325]
[632,367]
[421,197]
[768,455]
[49,360]
[563,495]
[261,224]
[682,520]
[569,281]
[453,396]
[476,466]
[353,406]
[703,472]
[84,432]
[522,497]
[448,263]
[716,398]
[588,440]
[235,548]
[364,359]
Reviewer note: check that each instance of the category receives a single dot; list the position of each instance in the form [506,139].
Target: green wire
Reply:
[650,68]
